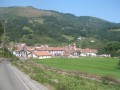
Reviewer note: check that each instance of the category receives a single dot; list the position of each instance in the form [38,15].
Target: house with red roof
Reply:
[23,51]
[41,54]
[19,52]
[88,52]
[56,51]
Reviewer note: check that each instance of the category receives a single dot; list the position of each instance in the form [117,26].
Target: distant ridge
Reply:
[47,26]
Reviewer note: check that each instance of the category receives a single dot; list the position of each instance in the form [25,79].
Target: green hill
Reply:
[24,11]
[31,25]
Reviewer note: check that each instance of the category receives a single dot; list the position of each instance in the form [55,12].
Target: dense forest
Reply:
[35,26]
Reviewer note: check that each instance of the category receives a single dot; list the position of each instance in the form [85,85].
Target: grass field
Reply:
[56,81]
[99,66]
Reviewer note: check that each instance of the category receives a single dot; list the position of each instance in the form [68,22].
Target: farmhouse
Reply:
[41,54]
[88,52]
[19,52]
[56,51]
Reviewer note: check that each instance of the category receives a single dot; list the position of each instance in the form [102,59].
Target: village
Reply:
[44,51]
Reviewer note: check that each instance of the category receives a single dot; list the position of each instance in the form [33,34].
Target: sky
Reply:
[105,9]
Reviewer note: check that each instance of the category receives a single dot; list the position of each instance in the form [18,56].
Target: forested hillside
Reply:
[31,25]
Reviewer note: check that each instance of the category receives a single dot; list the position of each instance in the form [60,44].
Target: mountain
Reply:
[24,11]
[31,25]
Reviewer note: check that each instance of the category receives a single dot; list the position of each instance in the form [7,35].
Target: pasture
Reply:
[92,65]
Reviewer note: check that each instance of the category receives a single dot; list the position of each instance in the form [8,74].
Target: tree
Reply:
[112,48]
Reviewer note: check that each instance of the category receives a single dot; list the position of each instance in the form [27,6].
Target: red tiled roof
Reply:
[56,49]
[41,48]
[87,50]
[42,53]
[19,48]
[30,48]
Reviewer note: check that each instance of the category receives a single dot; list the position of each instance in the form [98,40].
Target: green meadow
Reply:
[92,65]
[56,81]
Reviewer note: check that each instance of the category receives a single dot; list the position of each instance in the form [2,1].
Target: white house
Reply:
[88,52]
[23,51]
[56,51]
[41,54]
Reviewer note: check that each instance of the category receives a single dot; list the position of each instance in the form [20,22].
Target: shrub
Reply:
[108,79]
[61,86]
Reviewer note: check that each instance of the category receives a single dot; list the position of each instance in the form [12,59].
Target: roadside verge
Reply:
[27,81]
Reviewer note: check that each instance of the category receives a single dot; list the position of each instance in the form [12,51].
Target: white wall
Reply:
[41,57]
[88,54]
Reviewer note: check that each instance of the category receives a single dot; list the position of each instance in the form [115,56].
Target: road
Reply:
[12,79]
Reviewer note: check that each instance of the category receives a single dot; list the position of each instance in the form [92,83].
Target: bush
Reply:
[108,79]
[61,86]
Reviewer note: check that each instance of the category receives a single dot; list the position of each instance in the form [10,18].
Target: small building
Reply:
[23,51]
[88,52]
[19,52]
[56,51]
[41,54]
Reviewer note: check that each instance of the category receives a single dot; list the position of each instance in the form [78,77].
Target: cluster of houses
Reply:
[44,51]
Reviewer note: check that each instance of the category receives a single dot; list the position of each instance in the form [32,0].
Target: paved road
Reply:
[12,79]
[9,80]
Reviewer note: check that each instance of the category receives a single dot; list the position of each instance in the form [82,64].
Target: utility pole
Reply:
[4,36]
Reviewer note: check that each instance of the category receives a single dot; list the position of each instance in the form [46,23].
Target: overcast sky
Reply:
[104,9]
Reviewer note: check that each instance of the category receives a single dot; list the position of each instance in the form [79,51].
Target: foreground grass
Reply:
[98,66]
[62,82]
